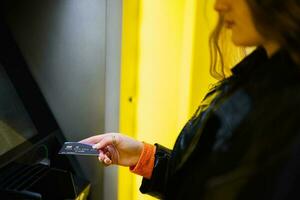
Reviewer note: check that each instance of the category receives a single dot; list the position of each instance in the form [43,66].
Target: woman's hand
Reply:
[115,148]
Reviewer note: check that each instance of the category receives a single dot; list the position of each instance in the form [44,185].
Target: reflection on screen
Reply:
[15,123]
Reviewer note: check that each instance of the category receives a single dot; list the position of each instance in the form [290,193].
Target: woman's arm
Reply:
[142,158]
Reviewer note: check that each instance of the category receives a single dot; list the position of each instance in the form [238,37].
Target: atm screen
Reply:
[16,126]
[25,117]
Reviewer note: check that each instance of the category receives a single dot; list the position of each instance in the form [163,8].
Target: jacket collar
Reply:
[250,62]
[259,62]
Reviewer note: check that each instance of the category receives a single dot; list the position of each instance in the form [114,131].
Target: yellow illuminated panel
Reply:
[165,72]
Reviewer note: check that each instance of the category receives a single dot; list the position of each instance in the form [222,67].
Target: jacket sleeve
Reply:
[289,179]
[156,185]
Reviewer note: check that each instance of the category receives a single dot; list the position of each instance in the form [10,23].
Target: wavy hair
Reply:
[278,20]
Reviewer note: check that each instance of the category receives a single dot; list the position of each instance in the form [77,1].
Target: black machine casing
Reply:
[34,169]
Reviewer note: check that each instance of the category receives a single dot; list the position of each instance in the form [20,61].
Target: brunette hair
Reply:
[278,20]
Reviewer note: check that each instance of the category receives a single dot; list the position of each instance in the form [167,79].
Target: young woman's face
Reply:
[237,17]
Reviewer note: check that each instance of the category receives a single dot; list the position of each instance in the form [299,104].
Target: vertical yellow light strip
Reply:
[165,72]
[160,61]
[129,63]
[200,77]
[187,62]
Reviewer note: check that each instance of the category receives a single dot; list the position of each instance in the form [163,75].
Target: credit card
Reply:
[76,148]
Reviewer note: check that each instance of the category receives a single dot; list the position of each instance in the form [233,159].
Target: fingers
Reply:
[106,144]
[105,158]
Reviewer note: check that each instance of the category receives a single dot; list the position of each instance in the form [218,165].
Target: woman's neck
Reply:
[271,48]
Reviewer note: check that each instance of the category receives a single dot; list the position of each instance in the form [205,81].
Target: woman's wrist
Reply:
[144,166]
[140,148]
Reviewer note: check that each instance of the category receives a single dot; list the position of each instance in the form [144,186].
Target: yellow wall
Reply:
[130,45]
[165,65]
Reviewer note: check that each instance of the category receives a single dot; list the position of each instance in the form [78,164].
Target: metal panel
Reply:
[76,64]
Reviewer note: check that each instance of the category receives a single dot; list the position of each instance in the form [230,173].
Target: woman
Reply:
[246,143]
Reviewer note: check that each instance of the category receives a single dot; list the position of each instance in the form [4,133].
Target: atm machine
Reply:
[30,138]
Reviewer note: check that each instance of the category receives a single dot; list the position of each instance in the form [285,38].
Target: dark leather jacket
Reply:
[242,143]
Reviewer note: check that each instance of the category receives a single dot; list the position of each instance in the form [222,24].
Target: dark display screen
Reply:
[16,126]
[25,118]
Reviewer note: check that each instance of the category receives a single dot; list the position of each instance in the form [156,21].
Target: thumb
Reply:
[92,140]
[109,140]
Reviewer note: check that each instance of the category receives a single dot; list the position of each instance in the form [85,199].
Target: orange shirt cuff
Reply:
[144,166]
